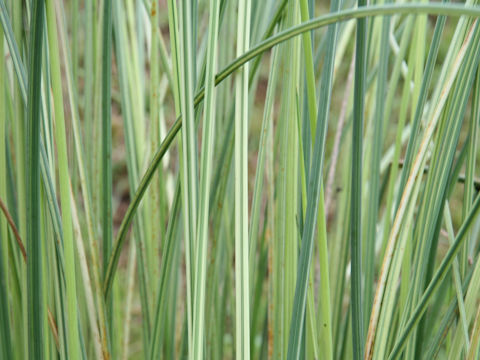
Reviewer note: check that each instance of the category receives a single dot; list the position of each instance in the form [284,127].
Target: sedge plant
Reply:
[238,179]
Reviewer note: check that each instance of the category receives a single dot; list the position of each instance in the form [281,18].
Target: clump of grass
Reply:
[212,179]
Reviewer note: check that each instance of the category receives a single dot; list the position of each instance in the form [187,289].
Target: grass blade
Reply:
[106,145]
[5,344]
[242,288]
[208,132]
[356,198]
[64,179]
[34,246]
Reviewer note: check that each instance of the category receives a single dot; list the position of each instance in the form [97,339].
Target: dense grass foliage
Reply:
[236,179]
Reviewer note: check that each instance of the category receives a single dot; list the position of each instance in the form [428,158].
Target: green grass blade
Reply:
[374,169]
[106,145]
[6,343]
[34,247]
[189,150]
[106,126]
[64,179]
[356,199]
[242,288]
[208,132]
